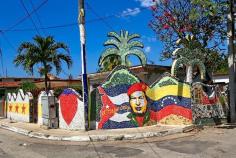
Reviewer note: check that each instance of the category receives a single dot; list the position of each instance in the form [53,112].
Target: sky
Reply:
[58,18]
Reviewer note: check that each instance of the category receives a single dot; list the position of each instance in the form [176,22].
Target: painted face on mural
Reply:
[138,102]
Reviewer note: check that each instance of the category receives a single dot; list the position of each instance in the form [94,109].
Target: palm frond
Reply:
[134,44]
[114,35]
[132,36]
[201,66]
[60,45]
[140,54]
[106,53]
[66,58]
[112,42]
[177,63]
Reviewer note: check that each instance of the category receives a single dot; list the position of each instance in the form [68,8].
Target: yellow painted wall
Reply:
[20,108]
[175,90]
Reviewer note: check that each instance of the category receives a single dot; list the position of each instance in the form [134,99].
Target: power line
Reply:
[103,20]
[25,17]
[2,32]
[45,28]
[31,19]
[37,16]
[75,23]
[7,40]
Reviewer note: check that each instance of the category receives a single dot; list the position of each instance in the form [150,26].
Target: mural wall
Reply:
[123,101]
[40,115]
[71,110]
[210,104]
[171,100]
[18,106]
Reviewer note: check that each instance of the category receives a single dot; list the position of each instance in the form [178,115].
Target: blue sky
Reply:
[121,14]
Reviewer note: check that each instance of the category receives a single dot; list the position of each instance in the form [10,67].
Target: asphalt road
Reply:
[210,142]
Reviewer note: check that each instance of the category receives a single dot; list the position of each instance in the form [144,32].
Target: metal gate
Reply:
[2,107]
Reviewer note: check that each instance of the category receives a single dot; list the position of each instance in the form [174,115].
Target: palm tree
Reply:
[45,52]
[121,46]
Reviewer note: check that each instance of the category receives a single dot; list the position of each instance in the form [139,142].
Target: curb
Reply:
[97,138]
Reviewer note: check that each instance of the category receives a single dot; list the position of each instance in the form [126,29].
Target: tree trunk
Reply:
[231,62]
[189,74]
[46,83]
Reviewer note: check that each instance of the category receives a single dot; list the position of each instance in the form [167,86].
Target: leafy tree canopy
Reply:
[205,20]
[44,52]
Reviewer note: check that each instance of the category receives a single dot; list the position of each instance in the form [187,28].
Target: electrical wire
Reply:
[31,19]
[25,17]
[95,13]
[76,23]
[7,40]
[44,28]
[2,32]
[37,17]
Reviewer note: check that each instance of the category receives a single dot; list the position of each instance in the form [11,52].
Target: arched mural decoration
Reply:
[124,101]
[189,58]
[122,45]
[18,106]
[71,110]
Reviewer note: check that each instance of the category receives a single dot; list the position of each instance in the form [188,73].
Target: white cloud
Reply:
[130,12]
[147,49]
[146,3]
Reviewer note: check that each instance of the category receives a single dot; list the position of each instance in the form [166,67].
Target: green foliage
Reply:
[11,91]
[28,86]
[44,52]
[217,63]
[118,48]
[205,20]
[110,63]
[58,91]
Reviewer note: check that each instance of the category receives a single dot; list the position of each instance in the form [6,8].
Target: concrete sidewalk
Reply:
[34,130]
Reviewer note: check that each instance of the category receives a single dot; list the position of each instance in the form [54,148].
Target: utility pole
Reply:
[81,20]
[231,61]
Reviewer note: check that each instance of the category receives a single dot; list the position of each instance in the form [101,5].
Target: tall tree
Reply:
[204,19]
[122,46]
[45,52]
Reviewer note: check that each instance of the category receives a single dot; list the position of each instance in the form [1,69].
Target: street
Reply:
[210,142]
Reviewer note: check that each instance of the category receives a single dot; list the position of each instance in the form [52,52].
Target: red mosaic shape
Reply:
[69,105]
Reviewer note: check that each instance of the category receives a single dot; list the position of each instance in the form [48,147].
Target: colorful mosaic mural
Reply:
[171,100]
[18,106]
[71,110]
[124,101]
[210,104]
